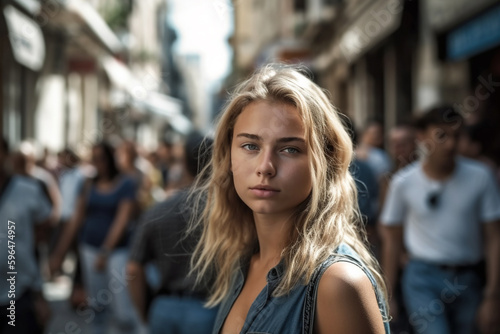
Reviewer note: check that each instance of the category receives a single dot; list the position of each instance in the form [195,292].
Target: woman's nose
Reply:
[266,165]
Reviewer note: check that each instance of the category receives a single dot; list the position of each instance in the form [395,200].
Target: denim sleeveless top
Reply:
[292,313]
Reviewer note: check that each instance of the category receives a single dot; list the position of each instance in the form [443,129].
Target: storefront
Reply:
[368,67]
[472,43]
[21,60]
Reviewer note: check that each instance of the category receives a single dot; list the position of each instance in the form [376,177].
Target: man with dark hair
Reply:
[177,306]
[23,205]
[446,208]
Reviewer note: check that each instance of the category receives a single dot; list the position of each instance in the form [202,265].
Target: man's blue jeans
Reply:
[180,315]
[441,301]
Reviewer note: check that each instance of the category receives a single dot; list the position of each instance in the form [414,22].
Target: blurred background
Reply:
[73,71]
[147,73]
[78,71]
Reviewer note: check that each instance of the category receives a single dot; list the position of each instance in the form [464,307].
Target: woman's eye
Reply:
[291,150]
[250,147]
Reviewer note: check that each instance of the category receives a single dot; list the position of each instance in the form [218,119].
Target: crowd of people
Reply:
[430,205]
[90,210]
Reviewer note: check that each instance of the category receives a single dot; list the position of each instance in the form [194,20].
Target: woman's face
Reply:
[99,161]
[125,155]
[270,161]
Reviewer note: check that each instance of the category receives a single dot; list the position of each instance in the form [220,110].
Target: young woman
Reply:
[281,226]
[103,213]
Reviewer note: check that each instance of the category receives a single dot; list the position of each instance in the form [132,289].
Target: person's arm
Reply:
[69,233]
[124,213]
[137,287]
[56,198]
[492,238]
[46,198]
[390,228]
[382,193]
[488,319]
[51,190]
[43,213]
[122,218]
[347,302]
[140,254]
[392,248]
[118,226]
[37,203]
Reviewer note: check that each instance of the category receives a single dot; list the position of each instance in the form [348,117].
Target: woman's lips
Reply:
[264,192]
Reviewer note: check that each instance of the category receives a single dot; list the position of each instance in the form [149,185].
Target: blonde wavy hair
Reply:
[329,215]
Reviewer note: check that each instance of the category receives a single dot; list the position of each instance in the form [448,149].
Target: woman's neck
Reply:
[273,234]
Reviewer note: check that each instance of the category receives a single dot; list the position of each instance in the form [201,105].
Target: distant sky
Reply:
[203,28]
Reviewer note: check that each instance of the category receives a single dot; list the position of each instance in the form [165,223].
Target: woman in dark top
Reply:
[102,218]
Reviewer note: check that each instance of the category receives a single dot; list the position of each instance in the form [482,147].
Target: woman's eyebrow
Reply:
[249,136]
[290,139]
[281,140]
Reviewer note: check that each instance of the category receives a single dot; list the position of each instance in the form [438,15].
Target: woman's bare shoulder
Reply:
[346,302]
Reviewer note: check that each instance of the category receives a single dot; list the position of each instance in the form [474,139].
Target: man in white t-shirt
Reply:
[443,210]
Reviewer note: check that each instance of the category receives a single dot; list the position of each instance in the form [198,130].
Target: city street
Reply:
[180,150]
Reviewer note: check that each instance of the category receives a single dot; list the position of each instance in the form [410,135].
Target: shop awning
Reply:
[477,35]
[380,19]
[445,14]
[26,38]
[144,99]
[118,73]
[168,107]
[96,23]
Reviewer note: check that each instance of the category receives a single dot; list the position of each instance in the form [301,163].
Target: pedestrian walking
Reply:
[370,149]
[445,211]
[403,151]
[103,213]
[23,205]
